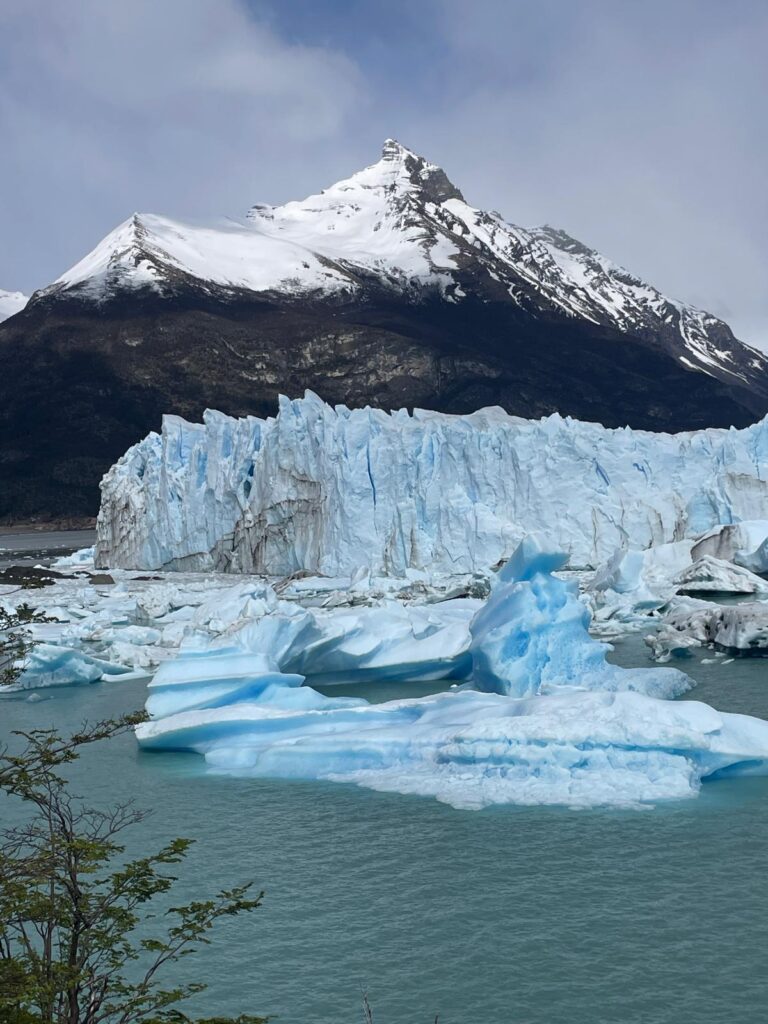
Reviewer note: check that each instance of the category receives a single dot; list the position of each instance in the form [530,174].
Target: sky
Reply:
[639,128]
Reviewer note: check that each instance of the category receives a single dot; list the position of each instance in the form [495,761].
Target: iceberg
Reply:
[531,637]
[333,490]
[689,623]
[471,749]
[715,575]
[52,665]
[592,739]
[384,644]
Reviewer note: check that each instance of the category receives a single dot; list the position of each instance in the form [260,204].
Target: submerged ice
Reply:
[561,725]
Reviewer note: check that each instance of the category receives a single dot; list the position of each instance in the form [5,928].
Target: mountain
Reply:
[387,288]
[11,303]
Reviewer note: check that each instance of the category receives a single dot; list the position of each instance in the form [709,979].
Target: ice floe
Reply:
[689,623]
[583,737]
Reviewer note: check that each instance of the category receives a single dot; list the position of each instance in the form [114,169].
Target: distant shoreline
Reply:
[50,525]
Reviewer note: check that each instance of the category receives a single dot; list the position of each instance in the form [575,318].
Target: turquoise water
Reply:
[520,915]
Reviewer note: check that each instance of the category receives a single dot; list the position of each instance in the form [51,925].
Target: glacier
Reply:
[581,735]
[331,490]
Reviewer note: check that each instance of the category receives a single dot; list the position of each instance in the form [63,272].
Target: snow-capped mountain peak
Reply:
[387,289]
[375,222]
[400,226]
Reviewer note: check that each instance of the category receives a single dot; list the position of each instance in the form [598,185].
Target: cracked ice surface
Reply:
[328,490]
[352,629]
[588,734]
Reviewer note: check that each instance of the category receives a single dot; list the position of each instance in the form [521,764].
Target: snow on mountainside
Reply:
[151,251]
[387,289]
[11,303]
[401,226]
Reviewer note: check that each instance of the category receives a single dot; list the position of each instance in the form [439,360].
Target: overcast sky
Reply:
[640,128]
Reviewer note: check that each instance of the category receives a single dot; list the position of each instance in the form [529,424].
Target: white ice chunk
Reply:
[713,574]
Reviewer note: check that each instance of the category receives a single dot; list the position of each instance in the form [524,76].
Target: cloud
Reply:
[636,127]
[173,106]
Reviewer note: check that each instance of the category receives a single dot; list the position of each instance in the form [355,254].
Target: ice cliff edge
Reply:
[330,489]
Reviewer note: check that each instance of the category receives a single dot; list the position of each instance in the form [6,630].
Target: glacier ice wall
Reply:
[329,490]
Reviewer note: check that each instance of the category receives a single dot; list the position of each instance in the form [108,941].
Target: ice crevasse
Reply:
[541,721]
[329,490]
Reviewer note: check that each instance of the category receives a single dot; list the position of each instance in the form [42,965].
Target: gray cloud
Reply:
[638,128]
[171,107]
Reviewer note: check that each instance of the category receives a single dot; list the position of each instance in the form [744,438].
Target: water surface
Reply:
[520,915]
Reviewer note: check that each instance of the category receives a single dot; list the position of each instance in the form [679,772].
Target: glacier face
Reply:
[330,490]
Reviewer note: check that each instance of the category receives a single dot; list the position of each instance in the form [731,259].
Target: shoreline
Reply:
[70,524]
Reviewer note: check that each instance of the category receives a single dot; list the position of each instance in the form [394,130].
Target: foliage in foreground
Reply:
[71,905]
[15,641]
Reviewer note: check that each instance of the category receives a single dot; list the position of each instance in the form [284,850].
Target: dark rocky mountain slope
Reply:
[387,288]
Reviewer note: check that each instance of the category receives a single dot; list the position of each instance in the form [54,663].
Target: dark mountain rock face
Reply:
[387,289]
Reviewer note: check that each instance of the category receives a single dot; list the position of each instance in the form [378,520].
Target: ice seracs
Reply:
[331,490]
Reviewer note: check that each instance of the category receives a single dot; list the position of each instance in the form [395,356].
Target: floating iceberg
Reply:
[383,644]
[715,575]
[689,623]
[591,741]
[329,490]
[531,637]
[472,749]
[53,665]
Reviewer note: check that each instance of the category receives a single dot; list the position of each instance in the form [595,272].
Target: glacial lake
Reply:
[506,916]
